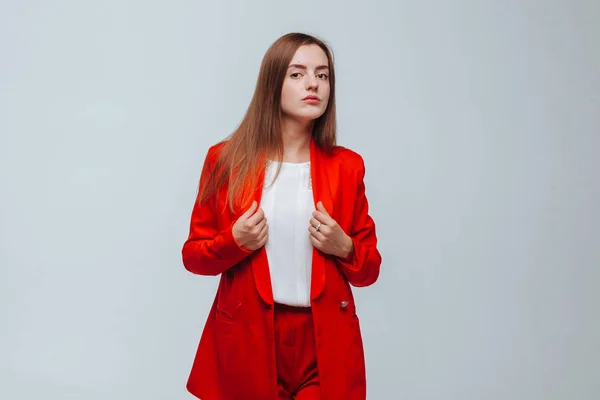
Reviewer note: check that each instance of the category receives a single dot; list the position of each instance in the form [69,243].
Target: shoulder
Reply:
[214,152]
[348,159]
[216,149]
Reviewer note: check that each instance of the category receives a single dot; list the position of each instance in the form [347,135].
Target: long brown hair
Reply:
[243,155]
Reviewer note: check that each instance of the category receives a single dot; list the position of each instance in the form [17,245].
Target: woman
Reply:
[282,216]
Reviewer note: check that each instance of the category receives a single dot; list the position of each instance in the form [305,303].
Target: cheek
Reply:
[286,94]
[325,93]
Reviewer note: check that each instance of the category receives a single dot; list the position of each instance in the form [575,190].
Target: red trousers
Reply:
[296,353]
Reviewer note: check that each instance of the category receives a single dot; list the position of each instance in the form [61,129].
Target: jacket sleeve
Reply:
[208,251]
[361,267]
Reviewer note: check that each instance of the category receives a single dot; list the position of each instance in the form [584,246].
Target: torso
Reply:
[288,205]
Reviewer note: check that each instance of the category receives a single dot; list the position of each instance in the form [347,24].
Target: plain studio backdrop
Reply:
[479,122]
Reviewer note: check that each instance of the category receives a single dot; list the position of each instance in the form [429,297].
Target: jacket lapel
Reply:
[321,192]
[260,263]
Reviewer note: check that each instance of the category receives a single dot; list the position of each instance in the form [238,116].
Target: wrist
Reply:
[348,251]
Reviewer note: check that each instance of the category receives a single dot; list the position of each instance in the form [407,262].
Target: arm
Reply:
[208,251]
[361,266]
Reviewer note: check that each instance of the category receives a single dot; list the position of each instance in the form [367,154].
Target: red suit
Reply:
[236,355]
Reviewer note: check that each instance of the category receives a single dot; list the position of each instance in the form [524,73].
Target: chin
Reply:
[308,116]
[304,115]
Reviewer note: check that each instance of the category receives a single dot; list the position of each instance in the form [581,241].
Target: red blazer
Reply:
[236,354]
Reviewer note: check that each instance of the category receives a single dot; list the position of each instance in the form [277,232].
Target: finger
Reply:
[250,210]
[322,217]
[253,227]
[314,222]
[264,236]
[255,232]
[321,208]
[263,232]
[261,224]
[316,234]
[315,242]
[262,242]
[257,217]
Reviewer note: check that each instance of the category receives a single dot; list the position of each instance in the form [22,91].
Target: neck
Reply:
[296,140]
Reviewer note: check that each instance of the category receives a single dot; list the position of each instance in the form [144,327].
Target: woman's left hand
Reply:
[330,238]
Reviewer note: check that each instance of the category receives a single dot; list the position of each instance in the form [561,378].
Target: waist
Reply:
[289,308]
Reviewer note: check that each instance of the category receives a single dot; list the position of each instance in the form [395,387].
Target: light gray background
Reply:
[479,122]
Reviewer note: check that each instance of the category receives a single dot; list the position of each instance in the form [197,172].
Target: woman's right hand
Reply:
[250,231]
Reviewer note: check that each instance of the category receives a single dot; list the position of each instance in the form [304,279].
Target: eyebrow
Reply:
[300,66]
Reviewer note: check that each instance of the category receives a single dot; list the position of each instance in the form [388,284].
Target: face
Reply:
[305,91]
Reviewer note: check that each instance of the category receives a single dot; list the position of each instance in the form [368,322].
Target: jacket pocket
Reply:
[228,301]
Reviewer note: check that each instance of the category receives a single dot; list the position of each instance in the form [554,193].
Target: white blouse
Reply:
[288,206]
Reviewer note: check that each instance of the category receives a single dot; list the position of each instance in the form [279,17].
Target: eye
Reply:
[295,74]
[323,76]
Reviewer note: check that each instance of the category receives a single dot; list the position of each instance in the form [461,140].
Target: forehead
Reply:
[310,55]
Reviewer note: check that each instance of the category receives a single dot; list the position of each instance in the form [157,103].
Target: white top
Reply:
[288,206]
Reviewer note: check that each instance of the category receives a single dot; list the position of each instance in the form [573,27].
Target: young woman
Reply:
[282,216]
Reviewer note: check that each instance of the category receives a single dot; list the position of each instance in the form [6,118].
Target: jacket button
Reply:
[343,304]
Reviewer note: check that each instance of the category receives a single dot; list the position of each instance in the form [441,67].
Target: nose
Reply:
[311,82]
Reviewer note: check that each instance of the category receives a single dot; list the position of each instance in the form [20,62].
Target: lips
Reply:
[311,98]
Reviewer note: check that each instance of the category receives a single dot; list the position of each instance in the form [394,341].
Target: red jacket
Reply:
[236,354]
